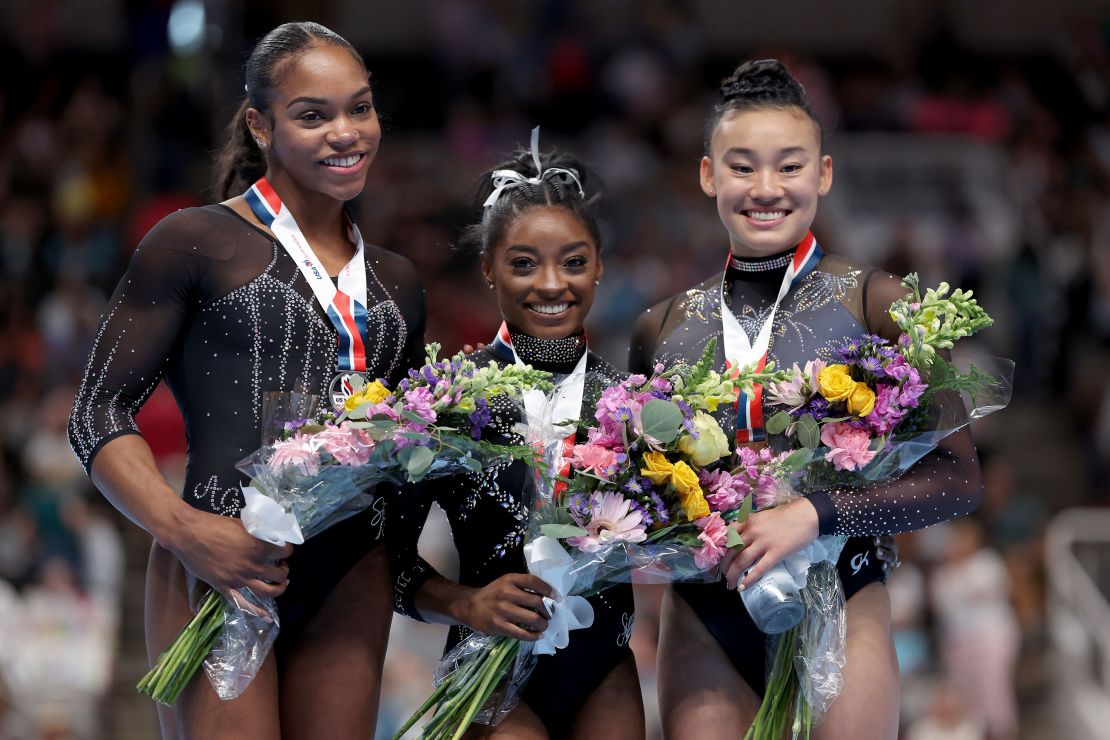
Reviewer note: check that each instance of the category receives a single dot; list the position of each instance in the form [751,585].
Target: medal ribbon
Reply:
[741,352]
[568,398]
[345,305]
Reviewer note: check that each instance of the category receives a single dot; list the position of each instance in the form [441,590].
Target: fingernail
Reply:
[741,587]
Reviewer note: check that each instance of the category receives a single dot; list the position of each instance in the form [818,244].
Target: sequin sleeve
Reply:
[144,320]
[943,485]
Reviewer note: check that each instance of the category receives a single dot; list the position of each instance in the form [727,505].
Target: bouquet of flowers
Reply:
[864,420]
[322,469]
[650,490]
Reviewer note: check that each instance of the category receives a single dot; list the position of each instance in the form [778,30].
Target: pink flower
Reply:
[297,452]
[381,409]
[594,458]
[848,446]
[611,520]
[419,401]
[888,410]
[347,444]
[723,491]
[714,533]
[606,436]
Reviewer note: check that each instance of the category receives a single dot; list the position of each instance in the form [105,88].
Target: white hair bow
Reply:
[506,179]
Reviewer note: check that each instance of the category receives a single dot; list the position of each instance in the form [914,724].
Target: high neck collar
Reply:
[553,355]
[759,269]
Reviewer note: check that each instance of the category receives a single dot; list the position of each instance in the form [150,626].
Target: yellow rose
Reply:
[711,443]
[862,400]
[370,393]
[689,491]
[835,384]
[659,468]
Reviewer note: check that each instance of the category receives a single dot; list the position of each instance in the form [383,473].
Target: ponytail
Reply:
[240,162]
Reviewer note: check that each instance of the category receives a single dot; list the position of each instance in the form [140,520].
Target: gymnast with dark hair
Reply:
[271,290]
[540,252]
[782,296]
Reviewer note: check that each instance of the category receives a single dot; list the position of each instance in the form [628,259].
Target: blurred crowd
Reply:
[99,142]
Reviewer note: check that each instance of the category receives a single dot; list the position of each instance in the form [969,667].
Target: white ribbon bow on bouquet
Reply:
[267,520]
[548,561]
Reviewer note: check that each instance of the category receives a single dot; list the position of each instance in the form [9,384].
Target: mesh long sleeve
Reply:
[145,318]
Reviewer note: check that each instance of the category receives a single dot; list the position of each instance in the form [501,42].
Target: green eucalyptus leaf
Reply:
[661,419]
[562,531]
[416,460]
[778,423]
[733,538]
[745,509]
[798,459]
[809,436]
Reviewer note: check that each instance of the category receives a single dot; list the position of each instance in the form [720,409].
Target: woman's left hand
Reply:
[769,536]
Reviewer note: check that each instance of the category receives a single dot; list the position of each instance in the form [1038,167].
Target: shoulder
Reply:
[211,231]
[650,323]
[393,263]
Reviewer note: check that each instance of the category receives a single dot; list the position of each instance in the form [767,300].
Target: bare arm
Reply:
[217,549]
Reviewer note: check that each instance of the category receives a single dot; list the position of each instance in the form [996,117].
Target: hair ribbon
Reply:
[508,179]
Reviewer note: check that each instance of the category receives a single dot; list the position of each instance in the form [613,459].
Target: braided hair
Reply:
[553,189]
[757,85]
[240,162]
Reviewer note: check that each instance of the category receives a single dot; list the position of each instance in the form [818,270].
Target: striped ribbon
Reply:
[345,305]
[741,352]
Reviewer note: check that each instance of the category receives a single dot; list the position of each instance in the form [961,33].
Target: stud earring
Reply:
[491,286]
[597,282]
[261,144]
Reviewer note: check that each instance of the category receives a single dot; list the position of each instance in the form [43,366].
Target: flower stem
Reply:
[180,660]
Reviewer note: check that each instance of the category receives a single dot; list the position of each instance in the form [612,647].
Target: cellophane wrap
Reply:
[506,696]
[948,413]
[821,634]
[317,498]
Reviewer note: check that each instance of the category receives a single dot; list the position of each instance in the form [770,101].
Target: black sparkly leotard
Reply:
[215,306]
[489,518]
[834,303]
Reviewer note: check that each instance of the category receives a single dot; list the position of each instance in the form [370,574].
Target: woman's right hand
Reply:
[219,551]
[512,606]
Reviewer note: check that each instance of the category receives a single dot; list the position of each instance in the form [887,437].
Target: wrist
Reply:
[174,529]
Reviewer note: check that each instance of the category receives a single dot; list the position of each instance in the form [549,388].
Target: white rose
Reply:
[711,443]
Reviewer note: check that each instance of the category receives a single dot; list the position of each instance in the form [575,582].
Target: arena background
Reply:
[971,142]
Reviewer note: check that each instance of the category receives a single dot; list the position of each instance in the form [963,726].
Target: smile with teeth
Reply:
[548,308]
[765,215]
[349,161]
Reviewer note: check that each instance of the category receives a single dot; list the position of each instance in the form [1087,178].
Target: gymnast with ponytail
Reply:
[227,303]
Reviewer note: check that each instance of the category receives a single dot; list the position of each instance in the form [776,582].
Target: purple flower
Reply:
[479,418]
[295,424]
[898,368]
[662,516]
[645,516]
[873,365]
[419,401]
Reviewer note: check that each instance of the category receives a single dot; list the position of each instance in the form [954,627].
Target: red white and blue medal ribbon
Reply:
[567,396]
[740,351]
[345,305]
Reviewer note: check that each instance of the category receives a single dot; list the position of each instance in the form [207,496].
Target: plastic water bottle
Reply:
[774,601]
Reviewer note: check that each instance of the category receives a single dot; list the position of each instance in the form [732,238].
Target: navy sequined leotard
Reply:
[215,306]
[836,302]
[489,517]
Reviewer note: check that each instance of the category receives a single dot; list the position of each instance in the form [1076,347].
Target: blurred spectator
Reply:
[978,632]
